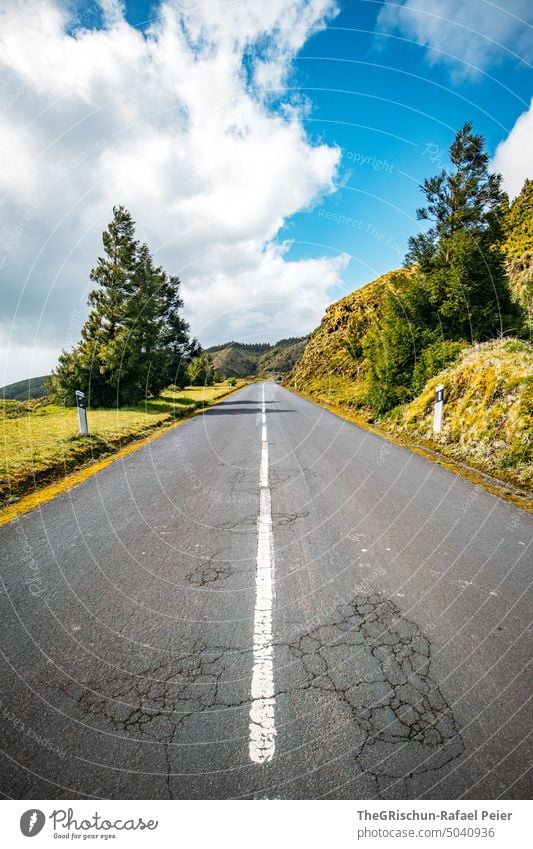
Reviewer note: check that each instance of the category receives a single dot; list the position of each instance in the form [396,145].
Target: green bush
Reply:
[433,359]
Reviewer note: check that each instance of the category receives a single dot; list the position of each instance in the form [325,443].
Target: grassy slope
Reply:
[40,441]
[232,362]
[488,412]
[236,361]
[332,367]
[281,359]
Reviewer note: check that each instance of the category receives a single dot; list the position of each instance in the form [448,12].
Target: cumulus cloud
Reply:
[467,35]
[514,155]
[176,124]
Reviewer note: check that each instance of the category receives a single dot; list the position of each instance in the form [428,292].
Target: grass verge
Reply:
[504,489]
[41,445]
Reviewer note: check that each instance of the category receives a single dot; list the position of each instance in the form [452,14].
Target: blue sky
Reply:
[271,154]
[397,114]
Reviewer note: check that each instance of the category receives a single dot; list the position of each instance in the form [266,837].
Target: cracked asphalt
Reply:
[400,622]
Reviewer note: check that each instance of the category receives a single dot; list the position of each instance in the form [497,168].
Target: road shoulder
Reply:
[47,492]
[502,489]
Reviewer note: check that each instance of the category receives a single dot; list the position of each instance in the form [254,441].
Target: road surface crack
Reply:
[378,664]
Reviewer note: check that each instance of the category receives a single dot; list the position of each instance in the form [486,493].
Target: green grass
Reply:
[487,413]
[489,392]
[40,442]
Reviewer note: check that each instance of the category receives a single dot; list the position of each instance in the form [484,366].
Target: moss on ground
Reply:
[487,413]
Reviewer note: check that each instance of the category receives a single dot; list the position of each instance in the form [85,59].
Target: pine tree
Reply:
[461,252]
[134,331]
[179,348]
[94,366]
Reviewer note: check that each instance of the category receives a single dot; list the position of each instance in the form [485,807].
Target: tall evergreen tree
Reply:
[134,330]
[461,252]
[457,290]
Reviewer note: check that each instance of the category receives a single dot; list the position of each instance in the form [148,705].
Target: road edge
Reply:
[506,491]
[48,492]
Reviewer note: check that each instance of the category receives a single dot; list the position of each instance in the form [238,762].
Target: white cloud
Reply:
[170,124]
[514,155]
[277,298]
[468,35]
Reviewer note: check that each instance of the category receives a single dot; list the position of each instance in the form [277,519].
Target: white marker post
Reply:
[82,412]
[439,403]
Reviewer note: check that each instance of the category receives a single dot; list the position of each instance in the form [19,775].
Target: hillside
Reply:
[25,390]
[487,413]
[234,362]
[332,366]
[383,349]
[238,359]
[518,249]
[489,390]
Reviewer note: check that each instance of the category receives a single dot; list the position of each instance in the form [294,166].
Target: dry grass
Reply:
[40,442]
[487,414]
[487,422]
[332,367]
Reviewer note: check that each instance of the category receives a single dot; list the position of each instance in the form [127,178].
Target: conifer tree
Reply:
[456,291]
[179,348]
[461,252]
[134,333]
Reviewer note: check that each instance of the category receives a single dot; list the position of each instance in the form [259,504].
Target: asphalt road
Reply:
[289,609]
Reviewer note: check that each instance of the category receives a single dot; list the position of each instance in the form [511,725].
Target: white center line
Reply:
[262,711]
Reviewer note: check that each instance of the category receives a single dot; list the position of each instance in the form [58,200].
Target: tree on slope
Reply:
[455,289]
[460,253]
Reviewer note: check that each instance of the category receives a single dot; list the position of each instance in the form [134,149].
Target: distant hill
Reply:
[240,359]
[25,390]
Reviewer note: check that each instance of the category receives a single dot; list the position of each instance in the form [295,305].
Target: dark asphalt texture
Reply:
[400,622]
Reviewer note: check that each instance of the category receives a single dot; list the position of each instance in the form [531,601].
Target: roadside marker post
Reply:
[82,412]
[439,403]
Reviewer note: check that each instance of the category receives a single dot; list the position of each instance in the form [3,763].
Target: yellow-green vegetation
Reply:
[380,352]
[40,441]
[489,392]
[332,366]
[487,414]
[518,248]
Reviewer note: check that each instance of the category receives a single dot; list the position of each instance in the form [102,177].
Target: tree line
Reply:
[454,288]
